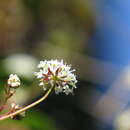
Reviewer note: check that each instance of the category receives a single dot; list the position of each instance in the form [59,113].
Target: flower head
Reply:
[13,81]
[56,74]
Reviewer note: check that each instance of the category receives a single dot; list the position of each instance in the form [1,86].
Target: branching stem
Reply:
[27,107]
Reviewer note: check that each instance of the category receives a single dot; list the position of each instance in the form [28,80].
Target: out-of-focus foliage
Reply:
[14,23]
[33,121]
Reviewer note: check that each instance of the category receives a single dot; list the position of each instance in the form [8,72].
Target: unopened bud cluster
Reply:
[13,81]
[15,107]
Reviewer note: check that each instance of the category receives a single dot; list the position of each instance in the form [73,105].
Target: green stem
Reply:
[27,107]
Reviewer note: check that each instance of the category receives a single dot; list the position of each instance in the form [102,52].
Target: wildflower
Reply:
[56,74]
[13,81]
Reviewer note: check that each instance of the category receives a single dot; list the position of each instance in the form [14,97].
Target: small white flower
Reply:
[13,81]
[56,74]
[67,90]
[58,89]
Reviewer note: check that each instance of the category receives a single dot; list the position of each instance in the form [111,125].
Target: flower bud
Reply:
[19,116]
[13,81]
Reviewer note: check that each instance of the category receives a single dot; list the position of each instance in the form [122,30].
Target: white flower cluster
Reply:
[13,81]
[56,74]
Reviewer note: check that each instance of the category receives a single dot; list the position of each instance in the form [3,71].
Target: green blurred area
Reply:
[34,121]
